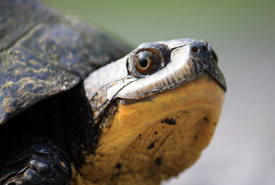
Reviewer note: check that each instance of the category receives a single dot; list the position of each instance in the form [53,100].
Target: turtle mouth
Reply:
[172,128]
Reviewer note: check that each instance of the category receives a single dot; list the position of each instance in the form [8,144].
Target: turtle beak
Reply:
[203,58]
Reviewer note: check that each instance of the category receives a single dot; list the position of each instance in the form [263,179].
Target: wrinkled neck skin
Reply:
[156,126]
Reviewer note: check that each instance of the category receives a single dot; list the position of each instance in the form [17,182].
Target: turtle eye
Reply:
[147,62]
[148,59]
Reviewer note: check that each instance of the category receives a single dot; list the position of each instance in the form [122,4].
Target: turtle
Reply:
[80,106]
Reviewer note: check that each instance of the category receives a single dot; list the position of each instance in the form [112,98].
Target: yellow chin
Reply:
[149,141]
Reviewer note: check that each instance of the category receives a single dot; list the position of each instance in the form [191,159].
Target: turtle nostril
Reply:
[195,49]
[204,49]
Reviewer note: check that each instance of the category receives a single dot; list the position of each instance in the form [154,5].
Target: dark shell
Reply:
[43,53]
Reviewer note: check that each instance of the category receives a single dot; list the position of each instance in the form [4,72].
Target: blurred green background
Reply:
[242,151]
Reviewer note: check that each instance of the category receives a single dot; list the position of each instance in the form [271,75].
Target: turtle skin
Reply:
[36,160]
[44,113]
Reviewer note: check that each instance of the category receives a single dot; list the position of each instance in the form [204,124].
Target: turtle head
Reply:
[158,108]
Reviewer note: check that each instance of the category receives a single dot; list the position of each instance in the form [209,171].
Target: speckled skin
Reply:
[43,53]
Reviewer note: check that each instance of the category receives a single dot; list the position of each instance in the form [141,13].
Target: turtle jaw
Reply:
[168,136]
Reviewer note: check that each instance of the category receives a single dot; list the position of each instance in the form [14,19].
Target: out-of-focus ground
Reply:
[242,151]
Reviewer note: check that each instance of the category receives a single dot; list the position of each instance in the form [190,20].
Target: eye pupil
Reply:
[143,63]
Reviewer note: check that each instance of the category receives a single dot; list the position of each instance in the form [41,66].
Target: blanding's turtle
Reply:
[68,117]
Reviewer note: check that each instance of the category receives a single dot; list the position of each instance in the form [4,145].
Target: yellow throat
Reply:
[138,148]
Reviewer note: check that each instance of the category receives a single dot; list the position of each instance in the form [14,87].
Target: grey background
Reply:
[242,151]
